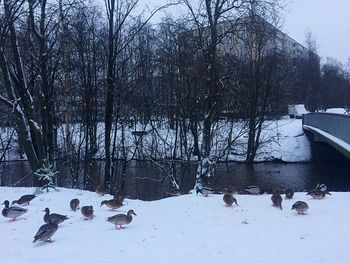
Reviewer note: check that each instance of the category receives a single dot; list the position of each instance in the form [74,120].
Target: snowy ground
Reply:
[187,228]
[283,139]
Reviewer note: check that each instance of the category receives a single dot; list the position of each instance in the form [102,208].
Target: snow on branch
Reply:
[48,174]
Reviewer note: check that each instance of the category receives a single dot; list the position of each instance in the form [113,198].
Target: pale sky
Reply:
[329,22]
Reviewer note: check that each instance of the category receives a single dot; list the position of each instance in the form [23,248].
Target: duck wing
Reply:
[15,211]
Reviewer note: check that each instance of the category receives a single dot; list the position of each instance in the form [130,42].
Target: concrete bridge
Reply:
[329,133]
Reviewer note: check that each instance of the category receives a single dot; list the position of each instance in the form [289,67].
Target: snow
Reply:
[290,143]
[297,110]
[283,139]
[332,138]
[188,228]
[337,111]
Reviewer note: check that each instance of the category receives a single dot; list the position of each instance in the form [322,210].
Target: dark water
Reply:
[144,179]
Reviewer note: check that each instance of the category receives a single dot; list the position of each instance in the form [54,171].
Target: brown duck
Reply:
[112,204]
[276,200]
[119,197]
[289,193]
[121,219]
[88,212]
[45,232]
[99,191]
[74,204]
[24,200]
[229,199]
[301,207]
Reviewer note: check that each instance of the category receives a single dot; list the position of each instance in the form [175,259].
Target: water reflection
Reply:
[143,179]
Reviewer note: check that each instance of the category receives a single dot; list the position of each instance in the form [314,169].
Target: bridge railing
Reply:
[337,125]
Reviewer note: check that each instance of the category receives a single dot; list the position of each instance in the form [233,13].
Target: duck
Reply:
[74,204]
[316,194]
[13,211]
[119,197]
[45,232]
[99,191]
[53,218]
[289,193]
[229,199]
[121,219]
[204,191]
[112,204]
[277,200]
[301,207]
[254,190]
[88,212]
[176,192]
[321,187]
[24,200]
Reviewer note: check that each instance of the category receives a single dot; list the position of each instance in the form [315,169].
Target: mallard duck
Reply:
[289,193]
[24,200]
[204,191]
[121,219]
[112,204]
[321,187]
[176,192]
[88,212]
[53,218]
[13,211]
[301,207]
[253,190]
[316,194]
[74,204]
[99,190]
[45,232]
[276,200]
[229,199]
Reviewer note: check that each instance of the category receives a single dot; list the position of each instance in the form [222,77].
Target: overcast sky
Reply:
[329,22]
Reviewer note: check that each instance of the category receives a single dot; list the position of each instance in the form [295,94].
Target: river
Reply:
[144,179]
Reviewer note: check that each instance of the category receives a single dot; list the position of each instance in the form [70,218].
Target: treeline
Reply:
[70,68]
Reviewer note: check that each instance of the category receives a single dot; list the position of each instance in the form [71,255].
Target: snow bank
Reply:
[187,228]
[282,140]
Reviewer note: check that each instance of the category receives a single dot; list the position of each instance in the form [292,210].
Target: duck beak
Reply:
[134,214]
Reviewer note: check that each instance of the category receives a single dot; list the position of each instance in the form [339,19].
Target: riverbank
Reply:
[282,140]
[187,228]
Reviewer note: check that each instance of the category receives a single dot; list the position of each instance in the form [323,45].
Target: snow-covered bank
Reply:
[187,228]
[289,144]
[283,139]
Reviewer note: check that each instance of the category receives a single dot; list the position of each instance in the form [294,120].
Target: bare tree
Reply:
[260,71]
[209,30]
[122,30]
[19,98]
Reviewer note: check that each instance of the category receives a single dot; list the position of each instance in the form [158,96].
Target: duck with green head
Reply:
[13,211]
[53,218]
